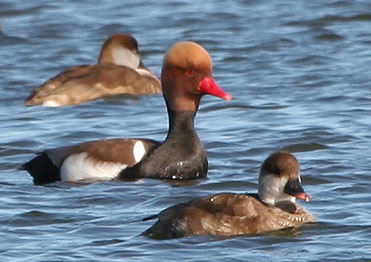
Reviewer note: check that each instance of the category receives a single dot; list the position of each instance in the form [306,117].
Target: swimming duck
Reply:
[119,71]
[273,208]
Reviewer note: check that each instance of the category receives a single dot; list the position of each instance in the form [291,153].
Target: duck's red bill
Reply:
[303,196]
[210,87]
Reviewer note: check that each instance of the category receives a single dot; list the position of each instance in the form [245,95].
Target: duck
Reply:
[227,214]
[186,76]
[119,71]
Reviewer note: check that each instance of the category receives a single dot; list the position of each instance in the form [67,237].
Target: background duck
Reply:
[119,71]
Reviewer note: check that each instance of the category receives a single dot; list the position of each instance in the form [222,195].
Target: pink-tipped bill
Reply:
[303,196]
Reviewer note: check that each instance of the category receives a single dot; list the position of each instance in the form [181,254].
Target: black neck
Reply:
[180,156]
[181,123]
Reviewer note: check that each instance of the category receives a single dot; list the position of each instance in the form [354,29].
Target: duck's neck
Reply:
[271,189]
[181,123]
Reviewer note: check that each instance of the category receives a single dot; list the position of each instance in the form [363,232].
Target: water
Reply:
[300,75]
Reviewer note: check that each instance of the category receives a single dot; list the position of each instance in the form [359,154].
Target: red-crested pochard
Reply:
[186,77]
[119,71]
[273,208]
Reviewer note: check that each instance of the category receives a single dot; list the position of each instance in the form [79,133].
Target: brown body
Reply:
[109,150]
[226,214]
[47,166]
[111,76]
[237,214]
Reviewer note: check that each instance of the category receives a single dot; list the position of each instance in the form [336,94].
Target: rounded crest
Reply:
[189,55]
[282,164]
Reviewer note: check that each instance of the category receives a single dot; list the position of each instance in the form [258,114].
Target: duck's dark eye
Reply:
[276,170]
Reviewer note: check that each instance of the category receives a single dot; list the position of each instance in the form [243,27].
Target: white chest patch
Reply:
[80,168]
[139,151]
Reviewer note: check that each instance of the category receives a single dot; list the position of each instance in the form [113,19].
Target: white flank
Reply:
[80,168]
[124,57]
[147,73]
[139,151]
[51,103]
[144,72]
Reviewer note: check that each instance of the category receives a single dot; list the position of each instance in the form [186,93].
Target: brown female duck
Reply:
[119,71]
[273,208]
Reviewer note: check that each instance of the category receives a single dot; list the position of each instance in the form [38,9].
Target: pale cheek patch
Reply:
[80,168]
[125,57]
[139,151]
